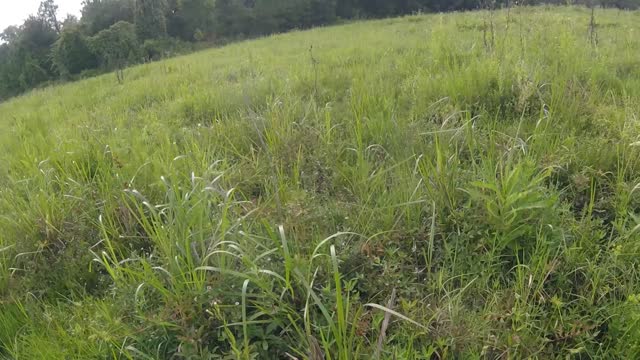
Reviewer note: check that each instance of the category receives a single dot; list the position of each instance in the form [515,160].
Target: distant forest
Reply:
[112,34]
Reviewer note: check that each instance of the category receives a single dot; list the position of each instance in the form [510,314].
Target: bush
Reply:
[71,54]
[117,46]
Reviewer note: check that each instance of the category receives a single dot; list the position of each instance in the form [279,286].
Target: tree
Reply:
[10,66]
[320,12]
[150,19]
[116,46]
[98,15]
[268,16]
[10,34]
[231,18]
[70,21]
[9,82]
[186,18]
[48,13]
[71,53]
[32,52]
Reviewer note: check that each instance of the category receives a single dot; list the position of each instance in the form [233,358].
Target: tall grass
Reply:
[428,187]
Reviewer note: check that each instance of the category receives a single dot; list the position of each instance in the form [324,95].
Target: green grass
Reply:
[265,199]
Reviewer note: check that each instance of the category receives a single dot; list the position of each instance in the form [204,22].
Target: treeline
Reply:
[114,33]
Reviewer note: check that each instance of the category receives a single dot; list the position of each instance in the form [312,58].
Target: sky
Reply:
[14,12]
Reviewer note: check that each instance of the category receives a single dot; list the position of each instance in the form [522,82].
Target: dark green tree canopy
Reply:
[150,19]
[71,53]
[98,15]
[48,11]
[117,45]
[187,18]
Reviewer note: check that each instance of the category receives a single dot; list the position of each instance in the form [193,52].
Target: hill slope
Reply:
[266,199]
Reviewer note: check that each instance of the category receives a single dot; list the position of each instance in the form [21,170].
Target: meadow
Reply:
[435,186]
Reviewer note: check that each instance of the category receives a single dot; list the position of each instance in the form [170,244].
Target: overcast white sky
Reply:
[13,12]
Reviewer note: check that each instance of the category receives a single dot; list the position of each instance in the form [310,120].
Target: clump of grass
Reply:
[593,32]
[514,203]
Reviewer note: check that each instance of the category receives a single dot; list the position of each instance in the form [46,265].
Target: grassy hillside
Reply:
[423,183]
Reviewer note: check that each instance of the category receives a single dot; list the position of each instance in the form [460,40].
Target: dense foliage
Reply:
[116,45]
[72,54]
[27,51]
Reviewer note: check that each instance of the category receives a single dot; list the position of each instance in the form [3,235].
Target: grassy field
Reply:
[429,187]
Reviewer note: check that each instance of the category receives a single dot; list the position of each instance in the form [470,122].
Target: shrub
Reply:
[72,54]
[116,46]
